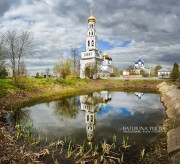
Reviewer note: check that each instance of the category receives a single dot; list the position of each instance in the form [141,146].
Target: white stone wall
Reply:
[164,74]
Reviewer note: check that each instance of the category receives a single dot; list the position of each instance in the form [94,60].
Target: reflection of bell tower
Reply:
[91,104]
[90,124]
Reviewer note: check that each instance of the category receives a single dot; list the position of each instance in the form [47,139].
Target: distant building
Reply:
[139,65]
[9,71]
[106,66]
[125,72]
[164,73]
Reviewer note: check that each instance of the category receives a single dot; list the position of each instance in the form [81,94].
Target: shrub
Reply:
[27,83]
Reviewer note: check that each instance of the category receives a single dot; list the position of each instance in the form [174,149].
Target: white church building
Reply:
[92,57]
[139,65]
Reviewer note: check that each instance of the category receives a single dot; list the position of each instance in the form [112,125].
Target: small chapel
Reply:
[93,58]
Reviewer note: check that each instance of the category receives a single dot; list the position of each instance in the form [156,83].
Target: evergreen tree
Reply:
[175,72]
[37,75]
[3,72]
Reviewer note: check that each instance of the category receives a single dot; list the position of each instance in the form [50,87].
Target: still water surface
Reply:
[100,115]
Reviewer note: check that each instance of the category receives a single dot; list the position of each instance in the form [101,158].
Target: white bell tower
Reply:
[91,55]
[91,38]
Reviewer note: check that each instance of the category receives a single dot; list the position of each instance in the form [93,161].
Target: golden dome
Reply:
[104,104]
[91,19]
[105,55]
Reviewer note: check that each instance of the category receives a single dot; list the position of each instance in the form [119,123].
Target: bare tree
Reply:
[3,64]
[131,69]
[2,56]
[22,69]
[16,45]
[76,58]
[63,68]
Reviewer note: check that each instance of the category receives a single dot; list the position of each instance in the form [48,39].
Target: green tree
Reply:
[91,70]
[157,68]
[88,71]
[175,72]
[115,71]
[3,72]
[37,75]
[120,72]
[63,68]
[142,72]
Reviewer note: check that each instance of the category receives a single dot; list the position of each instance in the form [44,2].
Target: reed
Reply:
[69,149]
[125,143]
[122,157]
[142,153]
[95,149]
[81,150]
[114,138]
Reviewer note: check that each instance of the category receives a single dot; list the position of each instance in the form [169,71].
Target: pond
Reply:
[99,116]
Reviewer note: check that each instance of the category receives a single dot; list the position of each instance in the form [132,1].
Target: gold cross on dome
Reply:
[91,11]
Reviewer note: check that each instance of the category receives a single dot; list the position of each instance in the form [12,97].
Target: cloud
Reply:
[5,5]
[129,29]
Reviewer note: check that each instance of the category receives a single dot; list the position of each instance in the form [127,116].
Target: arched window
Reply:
[92,25]
[89,33]
[92,33]
[91,118]
[88,43]
[92,42]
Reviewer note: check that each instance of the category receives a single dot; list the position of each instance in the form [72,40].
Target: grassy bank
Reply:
[32,90]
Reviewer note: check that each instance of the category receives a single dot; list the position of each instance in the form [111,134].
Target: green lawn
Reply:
[6,83]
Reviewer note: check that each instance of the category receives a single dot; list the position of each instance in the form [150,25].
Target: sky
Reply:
[126,29]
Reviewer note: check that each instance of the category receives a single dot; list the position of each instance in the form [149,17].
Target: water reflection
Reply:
[96,116]
[67,108]
[139,95]
[91,104]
